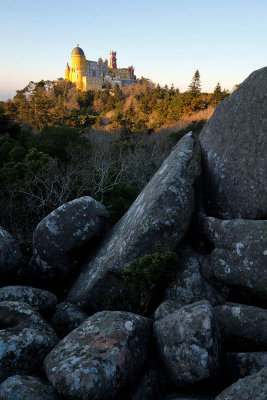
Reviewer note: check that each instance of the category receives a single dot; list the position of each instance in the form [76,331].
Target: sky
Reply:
[165,40]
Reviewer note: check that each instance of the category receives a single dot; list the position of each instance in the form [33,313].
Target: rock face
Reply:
[40,300]
[240,257]
[233,146]
[188,342]
[161,213]
[10,253]
[66,318]
[59,236]
[100,357]
[252,387]
[26,388]
[189,286]
[239,365]
[25,339]
[244,327]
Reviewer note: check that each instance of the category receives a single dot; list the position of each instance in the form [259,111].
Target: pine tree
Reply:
[195,86]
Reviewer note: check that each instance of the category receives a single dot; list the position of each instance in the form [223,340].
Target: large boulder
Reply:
[188,342]
[189,285]
[240,256]
[66,318]
[161,213]
[10,253]
[26,388]
[233,146]
[64,235]
[100,357]
[40,300]
[244,327]
[253,387]
[25,339]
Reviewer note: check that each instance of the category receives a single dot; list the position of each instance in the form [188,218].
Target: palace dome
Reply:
[77,51]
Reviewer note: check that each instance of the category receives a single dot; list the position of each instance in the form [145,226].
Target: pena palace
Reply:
[94,75]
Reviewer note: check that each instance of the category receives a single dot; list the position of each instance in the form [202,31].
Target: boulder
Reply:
[240,257]
[253,387]
[161,213]
[63,236]
[25,339]
[26,388]
[66,318]
[233,144]
[40,300]
[189,285]
[187,397]
[244,327]
[100,357]
[188,342]
[10,253]
[239,365]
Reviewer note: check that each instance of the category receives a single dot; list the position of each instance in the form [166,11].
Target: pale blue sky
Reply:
[166,41]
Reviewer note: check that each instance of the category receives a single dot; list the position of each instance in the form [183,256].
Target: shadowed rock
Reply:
[253,387]
[26,388]
[233,144]
[188,342]
[67,317]
[25,339]
[240,257]
[100,357]
[161,213]
[59,237]
[10,253]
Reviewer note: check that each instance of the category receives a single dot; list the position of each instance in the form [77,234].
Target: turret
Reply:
[67,72]
[113,60]
[78,66]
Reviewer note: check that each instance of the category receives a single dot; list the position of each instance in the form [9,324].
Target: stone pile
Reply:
[206,338]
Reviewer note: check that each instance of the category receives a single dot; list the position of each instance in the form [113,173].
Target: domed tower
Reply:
[78,66]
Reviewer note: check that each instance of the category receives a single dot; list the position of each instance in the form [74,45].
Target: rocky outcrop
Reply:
[188,342]
[244,327]
[161,213]
[189,285]
[40,300]
[252,387]
[25,339]
[100,357]
[60,237]
[233,144]
[26,388]
[67,317]
[240,256]
[10,253]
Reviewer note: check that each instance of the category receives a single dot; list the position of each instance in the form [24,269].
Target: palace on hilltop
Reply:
[94,75]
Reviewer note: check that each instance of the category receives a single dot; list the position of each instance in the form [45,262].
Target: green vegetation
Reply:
[148,276]
[57,144]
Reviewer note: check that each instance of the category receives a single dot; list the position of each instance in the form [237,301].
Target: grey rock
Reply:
[25,339]
[189,285]
[233,146]
[59,236]
[239,260]
[187,397]
[239,365]
[253,387]
[161,213]
[40,300]
[188,342]
[100,357]
[67,317]
[10,253]
[26,388]
[244,327]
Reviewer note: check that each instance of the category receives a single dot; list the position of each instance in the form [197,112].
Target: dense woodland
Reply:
[57,144]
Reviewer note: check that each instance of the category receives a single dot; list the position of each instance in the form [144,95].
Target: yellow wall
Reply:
[77,71]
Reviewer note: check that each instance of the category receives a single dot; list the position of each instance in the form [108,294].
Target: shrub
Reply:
[148,276]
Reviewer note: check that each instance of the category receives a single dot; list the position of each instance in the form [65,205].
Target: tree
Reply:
[195,86]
